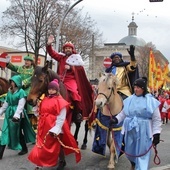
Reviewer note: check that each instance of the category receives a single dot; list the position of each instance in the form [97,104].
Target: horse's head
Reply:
[4,85]
[106,89]
[39,82]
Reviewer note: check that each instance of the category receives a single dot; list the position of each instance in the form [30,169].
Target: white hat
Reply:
[75,60]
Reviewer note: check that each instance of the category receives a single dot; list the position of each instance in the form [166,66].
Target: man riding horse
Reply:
[72,74]
[126,72]
[80,92]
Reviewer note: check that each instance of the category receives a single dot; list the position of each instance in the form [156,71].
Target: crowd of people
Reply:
[164,107]
[142,114]
[53,136]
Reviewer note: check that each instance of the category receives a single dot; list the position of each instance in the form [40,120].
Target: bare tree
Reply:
[31,21]
[79,29]
[143,58]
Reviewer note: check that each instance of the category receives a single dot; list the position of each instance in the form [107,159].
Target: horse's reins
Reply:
[3,95]
[63,75]
[46,81]
[107,98]
[156,157]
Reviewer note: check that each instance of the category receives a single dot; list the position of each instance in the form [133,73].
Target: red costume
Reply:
[162,100]
[46,151]
[75,81]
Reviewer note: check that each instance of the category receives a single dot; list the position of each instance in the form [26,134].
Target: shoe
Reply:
[2,148]
[38,168]
[61,165]
[23,152]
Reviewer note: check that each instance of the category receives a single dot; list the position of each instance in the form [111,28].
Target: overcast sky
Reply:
[113,17]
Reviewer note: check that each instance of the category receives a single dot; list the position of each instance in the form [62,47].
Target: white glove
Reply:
[8,59]
[35,110]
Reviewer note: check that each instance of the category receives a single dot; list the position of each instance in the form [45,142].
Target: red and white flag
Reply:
[3,60]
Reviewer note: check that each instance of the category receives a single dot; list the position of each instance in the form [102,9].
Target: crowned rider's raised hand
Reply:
[50,40]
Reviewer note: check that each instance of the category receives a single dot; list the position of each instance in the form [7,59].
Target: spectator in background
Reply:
[165,109]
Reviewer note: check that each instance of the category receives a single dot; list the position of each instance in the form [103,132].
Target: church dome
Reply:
[133,40]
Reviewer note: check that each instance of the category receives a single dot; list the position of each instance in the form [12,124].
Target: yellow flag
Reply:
[158,81]
[166,73]
[152,69]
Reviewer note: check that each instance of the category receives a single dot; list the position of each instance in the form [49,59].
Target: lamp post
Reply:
[60,25]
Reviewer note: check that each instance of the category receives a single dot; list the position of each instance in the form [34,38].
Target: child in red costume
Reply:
[53,131]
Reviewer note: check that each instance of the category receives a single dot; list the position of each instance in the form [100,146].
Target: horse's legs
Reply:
[62,162]
[132,165]
[84,145]
[111,145]
[77,130]
[132,168]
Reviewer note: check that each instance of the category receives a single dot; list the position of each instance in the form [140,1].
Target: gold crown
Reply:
[69,42]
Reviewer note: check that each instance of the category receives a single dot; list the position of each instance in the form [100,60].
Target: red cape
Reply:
[85,90]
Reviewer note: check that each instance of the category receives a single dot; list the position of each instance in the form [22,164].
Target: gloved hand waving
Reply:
[156,139]
[132,52]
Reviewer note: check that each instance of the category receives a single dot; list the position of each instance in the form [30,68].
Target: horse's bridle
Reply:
[46,80]
[107,98]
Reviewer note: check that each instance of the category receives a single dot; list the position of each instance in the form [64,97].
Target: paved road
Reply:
[90,161]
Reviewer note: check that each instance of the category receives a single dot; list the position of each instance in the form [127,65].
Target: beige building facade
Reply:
[98,55]
[17,58]
[97,62]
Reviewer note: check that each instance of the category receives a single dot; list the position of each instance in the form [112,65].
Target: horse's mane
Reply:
[50,72]
[4,80]
[4,85]
[50,75]
[106,77]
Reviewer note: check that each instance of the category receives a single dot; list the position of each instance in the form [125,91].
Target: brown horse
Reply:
[4,86]
[109,103]
[39,82]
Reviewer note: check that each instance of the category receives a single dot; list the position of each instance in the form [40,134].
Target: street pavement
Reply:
[90,161]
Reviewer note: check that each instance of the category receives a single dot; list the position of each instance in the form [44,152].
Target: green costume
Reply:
[26,74]
[10,130]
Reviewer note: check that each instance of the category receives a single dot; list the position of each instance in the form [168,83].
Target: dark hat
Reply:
[53,85]
[114,54]
[141,82]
